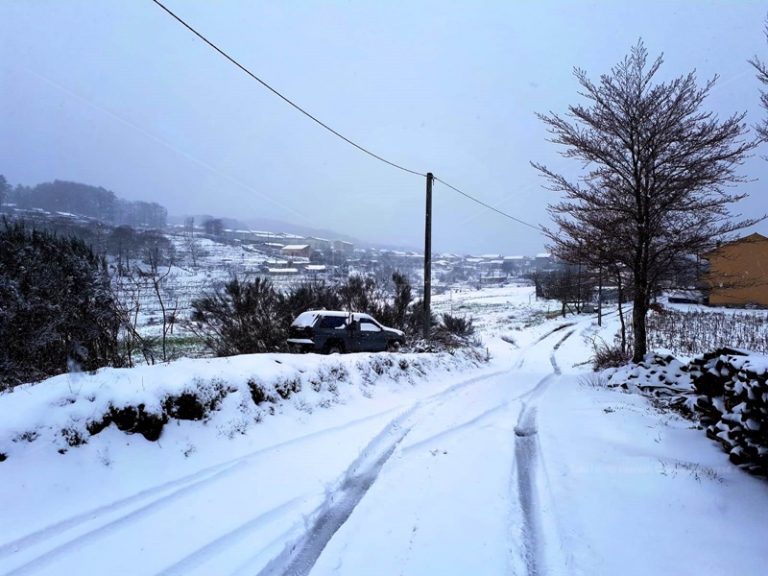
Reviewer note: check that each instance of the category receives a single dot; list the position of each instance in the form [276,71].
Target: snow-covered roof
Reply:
[295,247]
[308,318]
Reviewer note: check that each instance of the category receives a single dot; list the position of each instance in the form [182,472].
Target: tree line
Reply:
[84,200]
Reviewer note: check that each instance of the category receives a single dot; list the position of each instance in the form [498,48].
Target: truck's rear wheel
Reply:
[334,348]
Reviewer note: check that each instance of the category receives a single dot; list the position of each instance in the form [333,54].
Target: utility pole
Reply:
[428,259]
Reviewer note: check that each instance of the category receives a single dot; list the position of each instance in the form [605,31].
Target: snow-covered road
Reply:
[521,470]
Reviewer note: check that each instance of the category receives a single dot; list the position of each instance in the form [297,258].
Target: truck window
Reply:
[368,326]
[331,322]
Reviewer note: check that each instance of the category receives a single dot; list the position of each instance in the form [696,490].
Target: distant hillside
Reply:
[89,201]
[271,225]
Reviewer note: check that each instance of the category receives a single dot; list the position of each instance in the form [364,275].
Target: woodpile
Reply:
[731,398]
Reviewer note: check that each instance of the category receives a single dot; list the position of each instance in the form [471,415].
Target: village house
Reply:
[296,251]
[346,248]
[738,272]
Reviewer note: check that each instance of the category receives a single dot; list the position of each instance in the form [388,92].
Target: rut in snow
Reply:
[98,522]
[526,467]
[299,556]
[543,337]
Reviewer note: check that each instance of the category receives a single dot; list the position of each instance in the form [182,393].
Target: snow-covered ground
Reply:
[522,465]
[215,263]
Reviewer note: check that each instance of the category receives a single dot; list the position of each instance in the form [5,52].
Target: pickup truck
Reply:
[335,331]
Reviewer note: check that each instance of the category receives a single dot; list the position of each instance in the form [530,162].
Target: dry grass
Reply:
[689,333]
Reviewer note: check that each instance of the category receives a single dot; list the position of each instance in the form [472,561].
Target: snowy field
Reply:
[520,465]
[215,264]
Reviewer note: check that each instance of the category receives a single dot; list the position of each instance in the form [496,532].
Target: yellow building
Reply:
[738,272]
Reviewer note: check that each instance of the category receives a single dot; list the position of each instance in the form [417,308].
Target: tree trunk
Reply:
[621,315]
[639,312]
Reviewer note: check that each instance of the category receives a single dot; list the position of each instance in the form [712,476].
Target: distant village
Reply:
[291,255]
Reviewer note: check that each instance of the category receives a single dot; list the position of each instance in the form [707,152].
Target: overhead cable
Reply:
[326,126]
[518,220]
[281,96]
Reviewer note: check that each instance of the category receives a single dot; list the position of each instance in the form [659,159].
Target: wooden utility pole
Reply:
[428,260]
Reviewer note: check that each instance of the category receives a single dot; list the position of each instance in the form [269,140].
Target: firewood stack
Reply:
[731,388]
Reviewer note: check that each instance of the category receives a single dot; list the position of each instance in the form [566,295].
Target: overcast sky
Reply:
[117,94]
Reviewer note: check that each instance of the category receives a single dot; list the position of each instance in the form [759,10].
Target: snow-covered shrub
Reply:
[197,402]
[453,332]
[58,313]
[243,317]
[229,395]
[609,355]
[131,419]
[459,326]
[258,392]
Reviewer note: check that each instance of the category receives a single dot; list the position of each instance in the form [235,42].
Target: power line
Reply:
[327,127]
[518,220]
[281,96]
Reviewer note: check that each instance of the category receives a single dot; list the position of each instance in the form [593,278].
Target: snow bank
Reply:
[68,409]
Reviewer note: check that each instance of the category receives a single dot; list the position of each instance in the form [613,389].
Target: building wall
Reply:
[738,272]
[346,248]
[291,252]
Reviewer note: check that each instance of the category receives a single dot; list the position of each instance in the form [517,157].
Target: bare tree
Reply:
[128,288]
[191,243]
[655,176]
[762,75]
[169,304]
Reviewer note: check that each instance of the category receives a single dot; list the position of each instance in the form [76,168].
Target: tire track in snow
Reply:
[154,499]
[527,464]
[541,338]
[555,348]
[299,556]
[168,493]
[225,541]
[474,420]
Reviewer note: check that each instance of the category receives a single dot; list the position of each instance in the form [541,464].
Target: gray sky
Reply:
[117,94]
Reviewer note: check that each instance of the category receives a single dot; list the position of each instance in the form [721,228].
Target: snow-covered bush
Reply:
[609,355]
[229,394]
[454,332]
[250,316]
[243,317]
[57,312]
